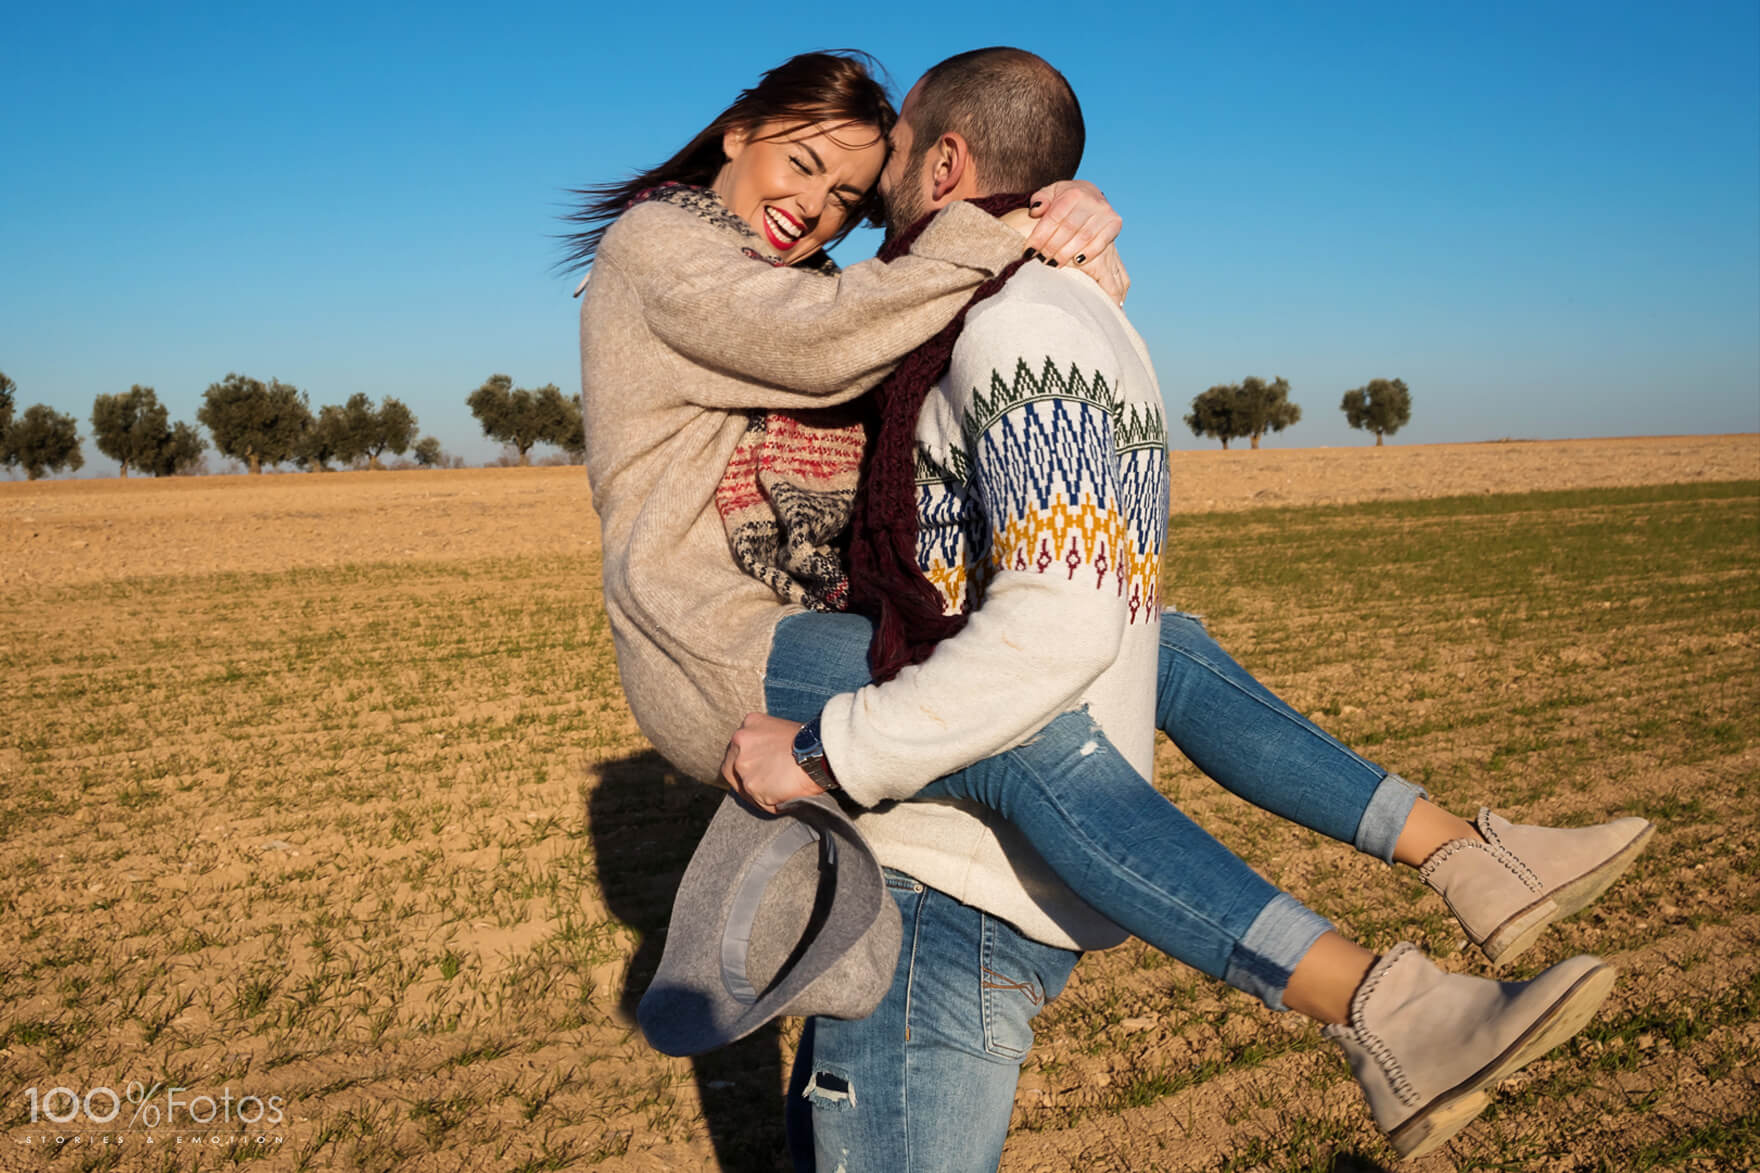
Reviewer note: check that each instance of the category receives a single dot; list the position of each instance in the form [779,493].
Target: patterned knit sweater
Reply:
[683,333]
[1043,493]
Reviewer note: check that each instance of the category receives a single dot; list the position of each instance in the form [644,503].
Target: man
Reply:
[1041,505]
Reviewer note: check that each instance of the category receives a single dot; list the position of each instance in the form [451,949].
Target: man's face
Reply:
[904,188]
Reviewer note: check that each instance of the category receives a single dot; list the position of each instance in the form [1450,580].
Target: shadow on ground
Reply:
[645,820]
[1352,1163]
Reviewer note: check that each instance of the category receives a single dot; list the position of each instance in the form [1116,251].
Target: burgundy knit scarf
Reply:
[886,583]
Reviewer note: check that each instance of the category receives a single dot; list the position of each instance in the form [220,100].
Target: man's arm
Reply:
[1043,469]
[1038,410]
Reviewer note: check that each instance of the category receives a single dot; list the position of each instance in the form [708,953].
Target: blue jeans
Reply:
[926,1083]
[1112,837]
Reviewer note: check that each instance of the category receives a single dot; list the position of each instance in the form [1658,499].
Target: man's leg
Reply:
[927,1081]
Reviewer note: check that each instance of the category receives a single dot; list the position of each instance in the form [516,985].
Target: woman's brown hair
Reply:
[833,86]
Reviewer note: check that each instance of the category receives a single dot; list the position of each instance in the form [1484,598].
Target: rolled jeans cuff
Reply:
[1385,816]
[1268,952]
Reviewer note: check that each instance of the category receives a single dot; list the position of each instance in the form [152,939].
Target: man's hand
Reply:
[1074,221]
[759,763]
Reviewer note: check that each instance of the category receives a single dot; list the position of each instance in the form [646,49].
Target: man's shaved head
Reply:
[1016,112]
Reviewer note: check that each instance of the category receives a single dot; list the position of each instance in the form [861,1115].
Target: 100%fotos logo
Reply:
[102,1105]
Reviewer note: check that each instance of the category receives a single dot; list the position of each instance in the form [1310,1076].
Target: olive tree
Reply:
[523,418]
[332,436]
[179,451]
[1214,413]
[428,453]
[131,427]
[7,388]
[1244,410]
[1381,406]
[253,422]
[42,440]
[391,427]
[1265,407]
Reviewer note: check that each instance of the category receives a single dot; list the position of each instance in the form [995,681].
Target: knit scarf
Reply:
[887,583]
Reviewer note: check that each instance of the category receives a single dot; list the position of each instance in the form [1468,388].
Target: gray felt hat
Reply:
[777,914]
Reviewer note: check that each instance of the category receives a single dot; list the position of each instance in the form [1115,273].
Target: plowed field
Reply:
[321,791]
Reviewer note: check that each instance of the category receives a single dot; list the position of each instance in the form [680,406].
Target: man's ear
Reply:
[950,165]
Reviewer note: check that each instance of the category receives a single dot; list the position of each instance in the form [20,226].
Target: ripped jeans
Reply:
[1113,839]
[927,1081]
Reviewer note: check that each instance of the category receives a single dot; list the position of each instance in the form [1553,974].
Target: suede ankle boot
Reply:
[1509,888]
[1427,1046]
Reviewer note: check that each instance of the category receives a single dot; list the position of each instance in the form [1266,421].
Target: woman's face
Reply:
[797,190]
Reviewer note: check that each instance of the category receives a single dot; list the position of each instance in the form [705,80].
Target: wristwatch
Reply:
[809,755]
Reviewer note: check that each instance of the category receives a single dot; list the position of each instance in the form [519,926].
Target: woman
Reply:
[686,330]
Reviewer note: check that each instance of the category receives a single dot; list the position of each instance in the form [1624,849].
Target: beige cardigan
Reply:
[681,332]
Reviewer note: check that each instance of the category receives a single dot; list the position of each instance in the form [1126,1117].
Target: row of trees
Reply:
[1252,407]
[264,424]
[271,423]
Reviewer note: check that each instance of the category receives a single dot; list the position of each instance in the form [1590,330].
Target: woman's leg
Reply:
[1100,826]
[1506,883]
[1138,859]
[1424,1045]
[1245,737]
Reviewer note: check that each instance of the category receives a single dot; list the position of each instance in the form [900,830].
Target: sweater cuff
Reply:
[855,771]
[967,236]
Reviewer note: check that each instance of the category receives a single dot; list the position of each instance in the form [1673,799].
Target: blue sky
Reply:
[1544,217]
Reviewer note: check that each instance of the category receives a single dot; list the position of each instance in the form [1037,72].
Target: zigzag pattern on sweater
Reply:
[1077,479]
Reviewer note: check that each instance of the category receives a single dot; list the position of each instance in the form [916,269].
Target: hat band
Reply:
[736,938]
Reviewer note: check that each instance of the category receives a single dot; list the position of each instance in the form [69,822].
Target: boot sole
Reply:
[1437,1122]
[1514,935]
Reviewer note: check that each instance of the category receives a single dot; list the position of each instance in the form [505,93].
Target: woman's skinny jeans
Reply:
[1111,836]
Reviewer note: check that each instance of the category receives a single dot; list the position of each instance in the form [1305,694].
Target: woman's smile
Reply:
[782,229]
[798,184]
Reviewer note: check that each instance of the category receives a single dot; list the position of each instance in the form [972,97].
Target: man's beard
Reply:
[906,205]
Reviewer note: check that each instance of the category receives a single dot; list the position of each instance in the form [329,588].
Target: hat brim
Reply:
[703,995]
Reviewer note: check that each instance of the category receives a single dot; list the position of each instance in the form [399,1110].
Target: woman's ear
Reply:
[733,142]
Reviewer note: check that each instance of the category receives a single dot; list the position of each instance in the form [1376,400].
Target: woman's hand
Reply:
[1109,271]
[1074,225]
[759,763]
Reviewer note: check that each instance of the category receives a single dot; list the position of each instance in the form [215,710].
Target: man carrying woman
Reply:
[1011,523]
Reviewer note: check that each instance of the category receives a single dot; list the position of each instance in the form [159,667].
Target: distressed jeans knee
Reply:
[829,1088]
[926,1083]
